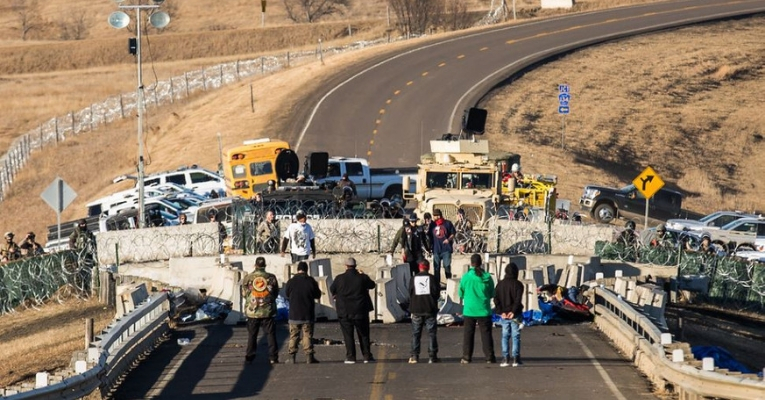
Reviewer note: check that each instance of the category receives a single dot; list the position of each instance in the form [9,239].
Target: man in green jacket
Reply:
[476,292]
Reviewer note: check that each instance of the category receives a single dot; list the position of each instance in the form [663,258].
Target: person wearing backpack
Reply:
[476,291]
[508,300]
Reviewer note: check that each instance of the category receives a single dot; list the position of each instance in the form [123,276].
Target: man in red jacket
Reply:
[508,301]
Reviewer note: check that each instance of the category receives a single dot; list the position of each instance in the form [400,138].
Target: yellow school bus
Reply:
[249,167]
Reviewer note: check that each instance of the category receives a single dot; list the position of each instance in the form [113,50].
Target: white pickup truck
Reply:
[371,183]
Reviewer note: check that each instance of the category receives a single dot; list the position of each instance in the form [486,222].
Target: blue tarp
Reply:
[722,358]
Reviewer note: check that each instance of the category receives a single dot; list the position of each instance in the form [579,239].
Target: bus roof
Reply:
[258,144]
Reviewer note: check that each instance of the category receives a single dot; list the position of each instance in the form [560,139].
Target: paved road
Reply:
[388,108]
[563,362]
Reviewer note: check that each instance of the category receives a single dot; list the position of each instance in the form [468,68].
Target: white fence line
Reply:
[179,87]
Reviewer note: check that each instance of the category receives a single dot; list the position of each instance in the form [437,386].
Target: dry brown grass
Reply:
[44,339]
[622,106]
[692,112]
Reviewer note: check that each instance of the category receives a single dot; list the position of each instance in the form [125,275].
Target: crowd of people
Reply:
[353,304]
[79,240]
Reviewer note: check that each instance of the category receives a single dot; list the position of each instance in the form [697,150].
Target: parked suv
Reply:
[605,204]
[200,180]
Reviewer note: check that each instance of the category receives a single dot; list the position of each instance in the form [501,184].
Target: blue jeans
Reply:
[446,258]
[429,321]
[510,329]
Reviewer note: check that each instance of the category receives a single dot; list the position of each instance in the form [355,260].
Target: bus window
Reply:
[261,168]
[239,171]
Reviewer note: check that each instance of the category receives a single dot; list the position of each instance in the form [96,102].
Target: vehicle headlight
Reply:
[591,193]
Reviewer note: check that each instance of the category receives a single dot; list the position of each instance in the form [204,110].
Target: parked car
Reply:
[708,222]
[200,180]
[741,234]
[605,204]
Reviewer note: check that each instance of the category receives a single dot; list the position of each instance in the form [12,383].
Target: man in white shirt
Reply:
[300,238]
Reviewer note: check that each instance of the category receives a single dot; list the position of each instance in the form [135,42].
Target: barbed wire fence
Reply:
[31,282]
[89,119]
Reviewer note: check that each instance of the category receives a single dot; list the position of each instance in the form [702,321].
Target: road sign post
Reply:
[648,183]
[564,97]
[58,195]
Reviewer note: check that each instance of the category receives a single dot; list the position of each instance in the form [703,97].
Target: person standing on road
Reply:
[300,238]
[268,234]
[442,234]
[464,229]
[424,292]
[476,290]
[302,292]
[508,300]
[259,291]
[351,292]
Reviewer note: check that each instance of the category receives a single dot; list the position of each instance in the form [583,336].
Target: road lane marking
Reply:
[369,153]
[382,111]
[388,397]
[388,101]
[483,49]
[441,65]
[171,373]
[425,73]
[410,83]
[603,374]
[377,383]
[378,122]
[461,56]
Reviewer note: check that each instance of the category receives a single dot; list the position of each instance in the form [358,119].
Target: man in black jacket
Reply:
[351,292]
[424,291]
[508,300]
[302,292]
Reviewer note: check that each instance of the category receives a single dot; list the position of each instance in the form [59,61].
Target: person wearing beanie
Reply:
[259,291]
[442,234]
[300,239]
[302,291]
[353,304]
[508,301]
[476,291]
[424,291]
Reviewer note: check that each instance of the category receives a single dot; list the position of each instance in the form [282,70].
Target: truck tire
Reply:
[604,213]
[394,190]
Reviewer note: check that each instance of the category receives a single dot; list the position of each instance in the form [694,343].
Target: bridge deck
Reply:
[564,361]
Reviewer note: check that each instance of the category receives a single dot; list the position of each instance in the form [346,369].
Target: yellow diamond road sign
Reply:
[648,182]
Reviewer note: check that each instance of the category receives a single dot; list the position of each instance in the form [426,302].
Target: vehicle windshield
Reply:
[628,188]
[710,217]
[730,225]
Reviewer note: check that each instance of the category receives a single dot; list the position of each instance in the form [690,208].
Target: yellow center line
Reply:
[374,132]
[483,49]
[378,122]
[410,83]
[388,101]
[371,142]
[377,382]
[382,111]
[613,20]
[396,92]
[460,56]
[425,73]
[388,397]
[441,65]
[369,153]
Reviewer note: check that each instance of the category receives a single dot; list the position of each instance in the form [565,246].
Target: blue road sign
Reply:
[563,99]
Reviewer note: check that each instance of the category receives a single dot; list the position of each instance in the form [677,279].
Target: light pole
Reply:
[119,20]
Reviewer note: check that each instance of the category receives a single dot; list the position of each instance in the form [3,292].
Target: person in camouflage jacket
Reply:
[259,291]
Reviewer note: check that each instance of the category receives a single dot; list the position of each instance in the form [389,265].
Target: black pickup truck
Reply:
[605,204]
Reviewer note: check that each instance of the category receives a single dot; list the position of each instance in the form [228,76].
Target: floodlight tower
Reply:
[119,20]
